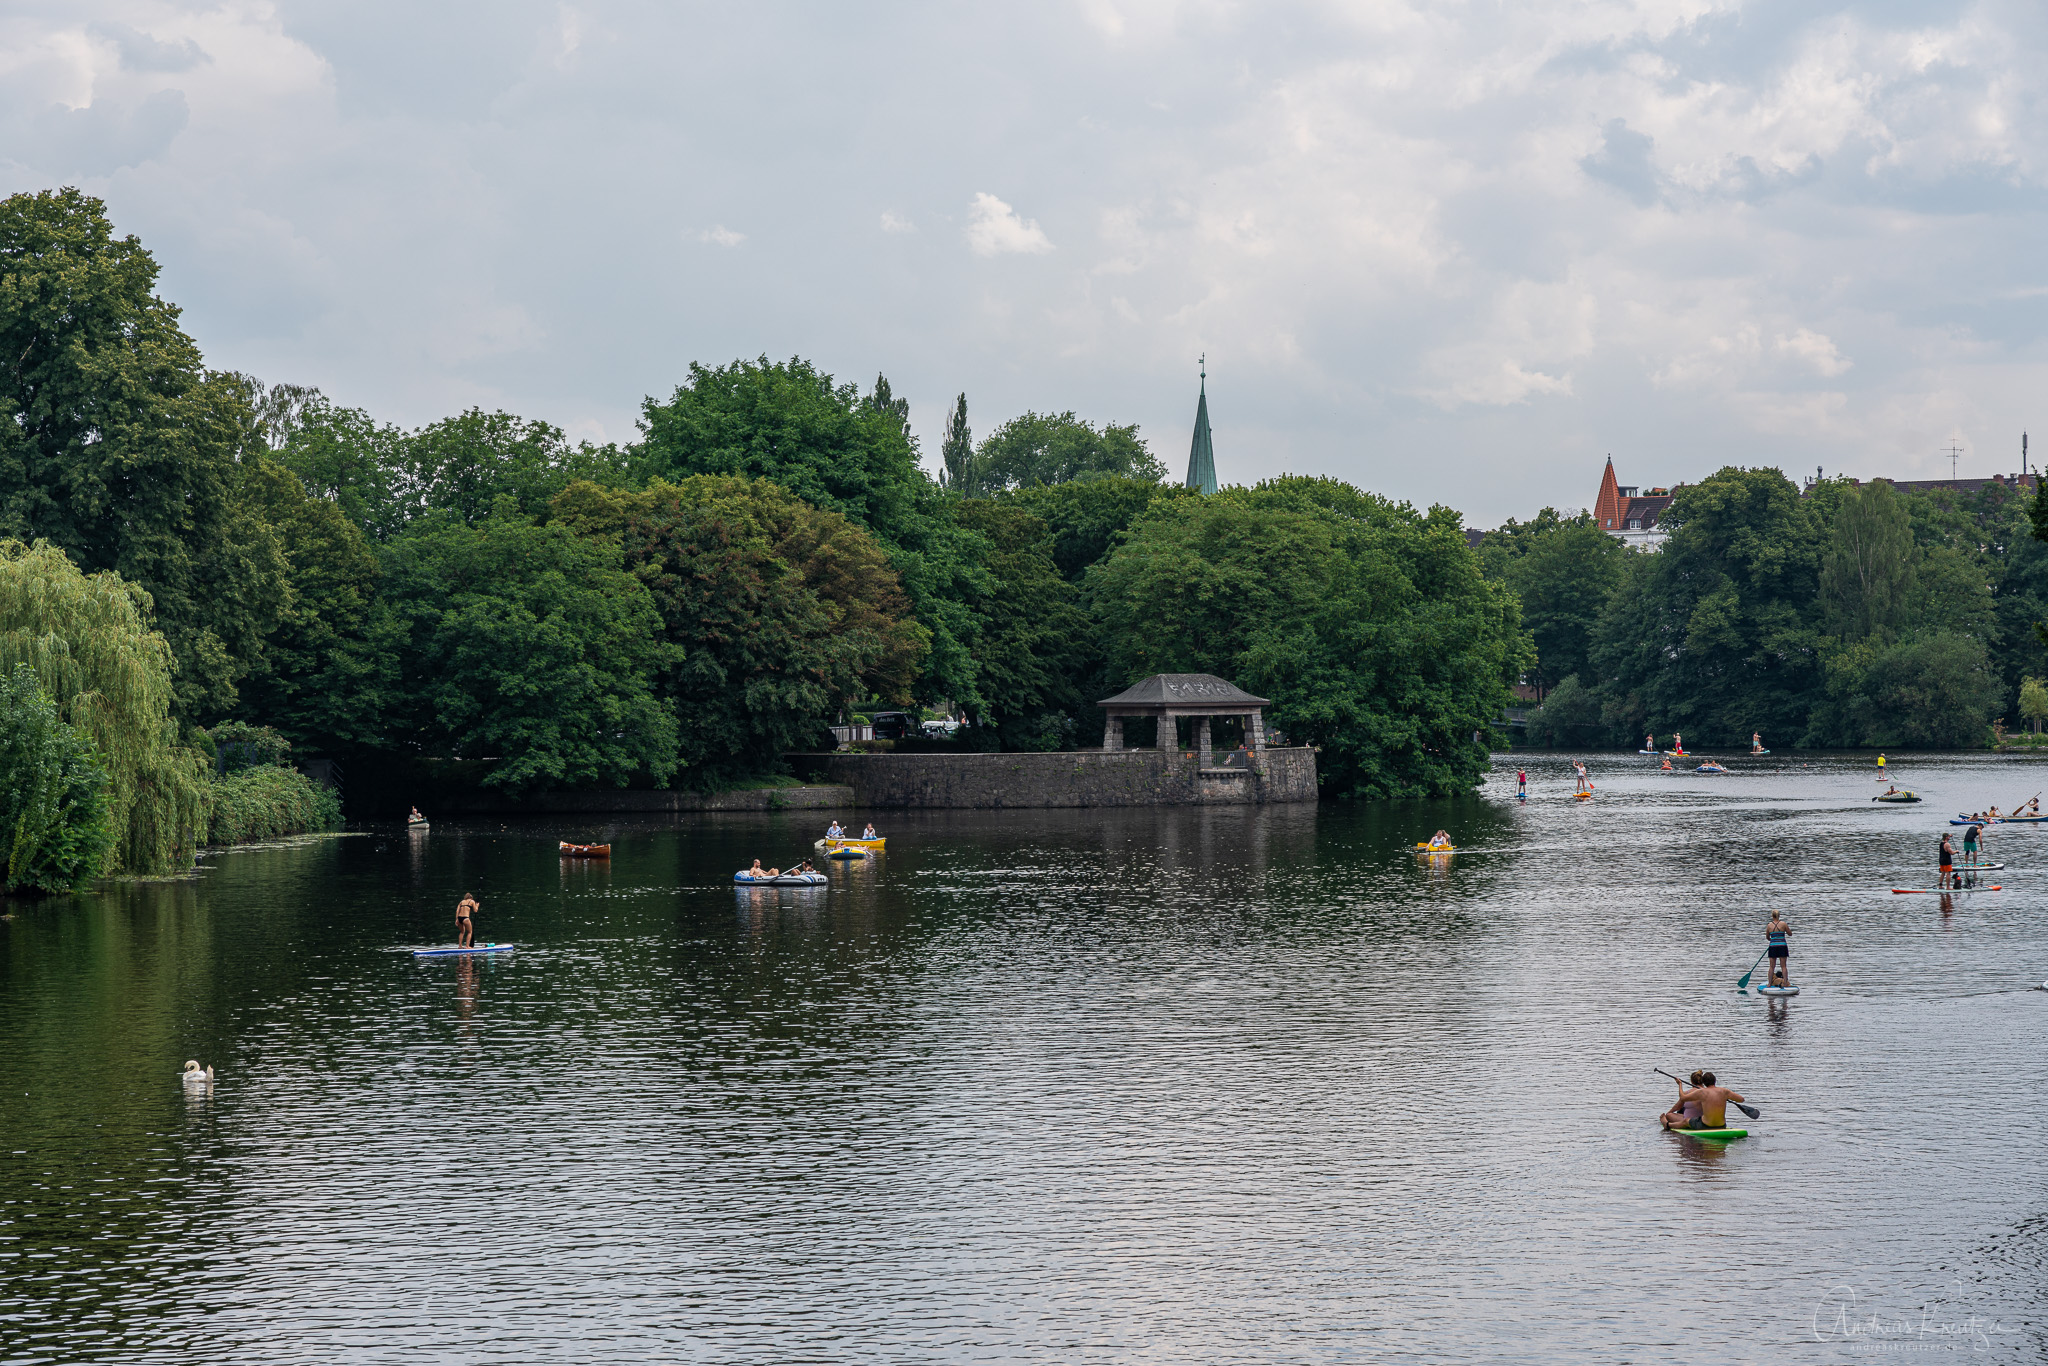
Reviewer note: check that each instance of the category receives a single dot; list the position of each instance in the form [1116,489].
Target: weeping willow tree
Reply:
[87,637]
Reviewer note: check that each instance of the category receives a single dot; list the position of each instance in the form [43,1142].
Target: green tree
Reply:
[779,613]
[86,636]
[327,677]
[346,457]
[1088,516]
[1937,691]
[1570,716]
[1369,625]
[464,464]
[2033,701]
[792,425]
[1868,570]
[956,453]
[1054,448]
[529,648]
[1035,649]
[55,834]
[1717,634]
[1563,570]
[120,449]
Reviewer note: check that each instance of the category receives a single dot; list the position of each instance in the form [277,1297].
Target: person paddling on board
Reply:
[1756,742]
[1970,845]
[1948,859]
[1779,947]
[1649,744]
[1711,1099]
[1522,784]
[1880,763]
[1677,743]
[465,928]
[1686,1113]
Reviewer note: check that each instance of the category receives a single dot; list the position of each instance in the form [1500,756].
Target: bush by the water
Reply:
[265,802]
[55,833]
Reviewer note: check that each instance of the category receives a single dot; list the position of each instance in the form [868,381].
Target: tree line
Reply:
[1840,614]
[484,599]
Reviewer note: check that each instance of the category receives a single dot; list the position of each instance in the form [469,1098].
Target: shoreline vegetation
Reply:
[481,605]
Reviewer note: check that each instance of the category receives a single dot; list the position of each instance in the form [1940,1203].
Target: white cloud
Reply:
[719,235]
[893,223]
[993,229]
[1817,351]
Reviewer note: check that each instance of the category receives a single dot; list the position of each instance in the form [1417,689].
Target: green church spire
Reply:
[1202,455]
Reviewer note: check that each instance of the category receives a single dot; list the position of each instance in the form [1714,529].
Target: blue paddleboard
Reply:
[474,948]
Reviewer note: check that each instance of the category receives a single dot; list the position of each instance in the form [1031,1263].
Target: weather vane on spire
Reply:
[1204,363]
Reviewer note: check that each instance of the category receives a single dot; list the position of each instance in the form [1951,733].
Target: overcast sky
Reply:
[1450,252]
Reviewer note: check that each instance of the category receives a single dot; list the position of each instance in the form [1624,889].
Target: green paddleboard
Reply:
[1711,1133]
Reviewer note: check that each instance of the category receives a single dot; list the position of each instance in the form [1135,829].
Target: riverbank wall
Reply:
[813,797]
[1140,777]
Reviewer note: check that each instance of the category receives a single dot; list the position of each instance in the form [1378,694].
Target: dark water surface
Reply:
[1067,1086]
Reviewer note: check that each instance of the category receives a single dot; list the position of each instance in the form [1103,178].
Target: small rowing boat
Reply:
[585,850]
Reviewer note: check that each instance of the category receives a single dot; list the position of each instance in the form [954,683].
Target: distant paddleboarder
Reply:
[1778,945]
[1522,784]
[1948,859]
[465,929]
[1880,763]
[1756,742]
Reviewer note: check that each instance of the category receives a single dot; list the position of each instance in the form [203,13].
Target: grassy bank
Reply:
[267,801]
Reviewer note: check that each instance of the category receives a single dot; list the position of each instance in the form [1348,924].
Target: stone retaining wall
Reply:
[634,799]
[1139,777]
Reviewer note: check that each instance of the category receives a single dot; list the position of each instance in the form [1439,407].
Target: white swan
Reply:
[195,1075]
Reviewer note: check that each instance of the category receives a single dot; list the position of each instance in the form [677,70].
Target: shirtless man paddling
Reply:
[1702,1105]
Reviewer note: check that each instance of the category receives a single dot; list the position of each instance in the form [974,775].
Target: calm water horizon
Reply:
[1172,1085]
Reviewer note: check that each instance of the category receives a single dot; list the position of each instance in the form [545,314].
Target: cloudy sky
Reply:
[1453,252]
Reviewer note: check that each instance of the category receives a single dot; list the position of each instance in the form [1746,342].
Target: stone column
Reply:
[1169,733]
[1113,733]
[1202,742]
[1255,732]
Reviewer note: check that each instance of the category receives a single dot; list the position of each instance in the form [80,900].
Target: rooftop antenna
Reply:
[1953,451]
[2023,453]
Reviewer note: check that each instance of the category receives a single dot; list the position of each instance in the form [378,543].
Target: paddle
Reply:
[1742,983]
[1749,1110]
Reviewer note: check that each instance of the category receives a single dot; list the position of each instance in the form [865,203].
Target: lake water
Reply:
[1050,1086]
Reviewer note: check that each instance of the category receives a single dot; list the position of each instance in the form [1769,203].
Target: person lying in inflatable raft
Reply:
[1440,840]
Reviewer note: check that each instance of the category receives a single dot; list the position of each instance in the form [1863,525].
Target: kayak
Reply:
[1941,891]
[454,949]
[1436,848]
[1717,1134]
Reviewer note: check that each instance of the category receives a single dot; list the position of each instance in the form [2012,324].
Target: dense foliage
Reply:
[236,571]
[87,638]
[55,833]
[1367,624]
[1842,614]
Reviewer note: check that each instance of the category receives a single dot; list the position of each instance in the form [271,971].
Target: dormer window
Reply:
[1636,525]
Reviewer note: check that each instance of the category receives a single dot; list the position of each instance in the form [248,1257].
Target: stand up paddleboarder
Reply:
[465,930]
[1780,949]
[1522,785]
[1948,859]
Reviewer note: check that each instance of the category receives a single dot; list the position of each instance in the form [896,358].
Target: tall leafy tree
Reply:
[1053,448]
[1718,634]
[791,424]
[1563,569]
[55,834]
[956,453]
[1036,648]
[117,446]
[1369,625]
[529,648]
[87,638]
[779,613]
[1868,570]
[464,464]
[1087,517]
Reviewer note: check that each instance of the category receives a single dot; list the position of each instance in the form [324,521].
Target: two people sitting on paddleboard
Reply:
[1703,1105]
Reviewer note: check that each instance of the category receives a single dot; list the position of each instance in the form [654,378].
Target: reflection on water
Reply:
[1196,1085]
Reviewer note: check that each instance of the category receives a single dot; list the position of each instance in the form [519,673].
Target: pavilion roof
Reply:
[1184,690]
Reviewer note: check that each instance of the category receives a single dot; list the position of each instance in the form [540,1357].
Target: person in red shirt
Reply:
[1522,784]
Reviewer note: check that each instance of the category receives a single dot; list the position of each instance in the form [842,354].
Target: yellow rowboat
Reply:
[873,846]
[1436,848]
